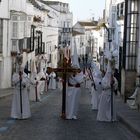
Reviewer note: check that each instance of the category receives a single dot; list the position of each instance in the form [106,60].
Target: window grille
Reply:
[14,18]
[131,42]
[32,38]
[15,46]
[118,10]
[1,35]
[122,9]
[21,45]
[15,29]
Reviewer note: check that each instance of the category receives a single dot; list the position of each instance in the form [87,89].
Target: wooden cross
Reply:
[64,70]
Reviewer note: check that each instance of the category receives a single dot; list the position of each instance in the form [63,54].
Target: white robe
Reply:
[41,83]
[72,96]
[52,81]
[96,93]
[104,108]
[46,82]
[60,83]
[87,81]
[16,105]
[34,94]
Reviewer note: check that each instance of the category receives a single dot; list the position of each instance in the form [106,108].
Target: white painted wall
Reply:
[115,24]
[50,34]
[4,8]
[18,5]
[5,61]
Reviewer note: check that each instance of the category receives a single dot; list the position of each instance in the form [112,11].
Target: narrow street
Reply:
[46,123]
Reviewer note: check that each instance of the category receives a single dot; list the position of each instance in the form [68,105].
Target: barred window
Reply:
[21,44]
[118,10]
[122,9]
[1,35]
[15,29]
[134,5]
[132,34]
[32,38]
[15,46]
[14,17]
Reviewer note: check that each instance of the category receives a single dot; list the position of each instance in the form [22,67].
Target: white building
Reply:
[5,58]
[31,28]
[125,16]
[88,39]
[114,19]
[65,21]
[131,47]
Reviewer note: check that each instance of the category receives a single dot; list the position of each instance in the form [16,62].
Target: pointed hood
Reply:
[74,58]
[106,82]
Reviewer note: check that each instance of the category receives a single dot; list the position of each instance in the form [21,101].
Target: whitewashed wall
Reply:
[4,8]
[5,61]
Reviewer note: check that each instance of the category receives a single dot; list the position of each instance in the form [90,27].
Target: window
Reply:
[113,19]
[27,45]
[21,44]
[132,34]
[14,46]
[118,10]
[1,35]
[134,5]
[15,29]
[64,24]
[32,38]
[14,18]
[122,9]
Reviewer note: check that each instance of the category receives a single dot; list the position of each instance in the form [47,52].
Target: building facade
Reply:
[29,28]
[131,61]
[5,58]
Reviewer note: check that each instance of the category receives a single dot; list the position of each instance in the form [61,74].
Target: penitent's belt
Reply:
[77,85]
[107,88]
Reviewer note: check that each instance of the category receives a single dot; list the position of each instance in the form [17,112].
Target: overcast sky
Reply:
[85,9]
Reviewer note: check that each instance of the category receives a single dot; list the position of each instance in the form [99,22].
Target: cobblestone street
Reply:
[46,123]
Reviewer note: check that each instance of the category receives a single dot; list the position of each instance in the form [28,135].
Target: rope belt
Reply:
[42,79]
[77,85]
[106,88]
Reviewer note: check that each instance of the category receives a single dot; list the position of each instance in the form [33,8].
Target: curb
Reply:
[128,124]
[5,95]
[5,92]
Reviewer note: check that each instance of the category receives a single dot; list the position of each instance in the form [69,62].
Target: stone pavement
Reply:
[129,117]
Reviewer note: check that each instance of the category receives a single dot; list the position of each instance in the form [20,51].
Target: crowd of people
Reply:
[30,88]
[103,86]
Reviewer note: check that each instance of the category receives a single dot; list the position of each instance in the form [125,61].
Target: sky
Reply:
[85,9]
